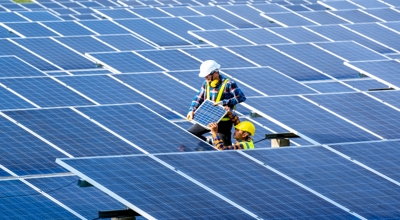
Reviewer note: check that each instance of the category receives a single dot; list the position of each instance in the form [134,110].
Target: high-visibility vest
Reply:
[220,92]
[247,144]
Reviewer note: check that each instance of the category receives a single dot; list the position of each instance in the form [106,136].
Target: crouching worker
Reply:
[243,132]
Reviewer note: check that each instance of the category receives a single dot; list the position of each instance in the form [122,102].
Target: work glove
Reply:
[190,116]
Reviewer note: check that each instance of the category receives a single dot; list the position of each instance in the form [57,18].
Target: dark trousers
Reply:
[224,131]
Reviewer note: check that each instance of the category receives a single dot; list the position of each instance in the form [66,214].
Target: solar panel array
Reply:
[107,84]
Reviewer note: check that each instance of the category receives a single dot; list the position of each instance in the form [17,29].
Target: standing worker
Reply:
[243,132]
[220,90]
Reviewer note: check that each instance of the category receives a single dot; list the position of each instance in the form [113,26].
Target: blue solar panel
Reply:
[250,14]
[219,38]
[323,17]
[24,154]
[329,87]
[45,92]
[391,97]
[68,28]
[339,179]
[380,156]
[297,8]
[19,201]
[351,51]
[85,44]
[270,7]
[182,195]
[171,59]
[298,34]
[72,132]
[116,13]
[104,27]
[145,129]
[260,36]
[12,66]
[7,33]
[355,16]
[288,19]
[10,17]
[39,16]
[31,29]
[318,59]
[179,11]
[269,81]
[56,53]
[224,15]
[86,201]
[125,42]
[152,32]
[126,62]
[208,113]
[278,61]
[384,71]
[12,101]
[366,84]
[338,5]
[13,7]
[225,58]
[309,120]
[393,25]
[177,26]
[339,33]
[209,22]
[163,89]
[364,111]
[149,12]
[378,33]
[370,4]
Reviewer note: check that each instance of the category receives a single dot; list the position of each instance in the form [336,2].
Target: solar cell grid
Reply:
[67,28]
[10,17]
[309,120]
[288,19]
[175,189]
[39,16]
[104,27]
[116,13]
[208,113]
[298,34]
[85,44]
[177,26]
[125,42]
[208,22]
[31,30]
[219,38]
[329,87]
[220,13]
[13,195]
[45,92]
[260,36]
[337,178]
[355,16]
[12,66]
[278,61]
[250,14]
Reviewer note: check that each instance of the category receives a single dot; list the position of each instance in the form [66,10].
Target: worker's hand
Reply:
[227,108]
[190,116]
[213,127]
[218,103]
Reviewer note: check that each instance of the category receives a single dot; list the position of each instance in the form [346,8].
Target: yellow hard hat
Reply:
[246,126]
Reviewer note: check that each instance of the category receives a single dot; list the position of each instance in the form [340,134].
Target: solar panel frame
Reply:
[208,113]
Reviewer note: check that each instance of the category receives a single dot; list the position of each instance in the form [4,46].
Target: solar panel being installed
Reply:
[208,113]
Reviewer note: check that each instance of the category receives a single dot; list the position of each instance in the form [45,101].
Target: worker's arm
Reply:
[237,95]
[234,118]
[218,142]
[196,102]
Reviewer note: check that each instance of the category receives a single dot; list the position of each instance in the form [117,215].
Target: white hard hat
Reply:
[208,67]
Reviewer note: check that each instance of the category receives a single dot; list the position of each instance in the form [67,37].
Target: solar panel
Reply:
[339,33]
[104,27]
[171,59]
[355,16]
[87,201]
[31,30]
[149,12]
[67,28]
[380,156]
[55,53]
[309,120]
[116,13]
[177,26]
[45,92]
[364,84]
[298,34]
[384,71]
[39,16]
[329,87]
[250,14]
[125,42]
[363,110]
[207,113]
[125,62]
[219,38]
[208,22]
[288,19]
[85,44]
[278,61]
[349,184]
[323,18]
[260,36]
[318,59]
[16,194]
[390,97]
[12,66]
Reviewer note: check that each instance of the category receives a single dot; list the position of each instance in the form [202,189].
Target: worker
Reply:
[243,133]
[220,90]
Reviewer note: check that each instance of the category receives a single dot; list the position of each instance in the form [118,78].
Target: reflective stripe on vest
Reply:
[247,144]
[221,90]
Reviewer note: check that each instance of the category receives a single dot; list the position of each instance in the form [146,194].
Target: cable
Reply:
[259,140]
